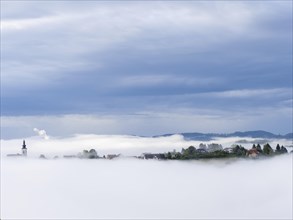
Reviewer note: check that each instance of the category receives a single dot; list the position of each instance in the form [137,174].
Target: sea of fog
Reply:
[124,144]
[128,188]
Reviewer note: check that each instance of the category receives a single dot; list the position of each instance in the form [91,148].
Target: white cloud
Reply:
[134,16]
[29,23]
[163,79]
[252,93]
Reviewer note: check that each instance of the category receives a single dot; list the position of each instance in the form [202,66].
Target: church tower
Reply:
[24,149]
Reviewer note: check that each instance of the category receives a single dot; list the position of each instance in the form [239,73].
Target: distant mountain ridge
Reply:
[211,136]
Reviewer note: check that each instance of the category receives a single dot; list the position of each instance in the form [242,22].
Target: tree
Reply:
[92,154]
[278,149]
[258,148]
[239,151]
[191,150]
[177,156]
[89,154]
[284,150]
[85,154]
[267,149]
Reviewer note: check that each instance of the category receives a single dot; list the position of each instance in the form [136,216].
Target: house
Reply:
[42,156]
[229,149]
[147,156]
[252,153]
[202,146]
[214,147]
[201,151]
[112,156]
[69,156]
[14,155]
[173,154]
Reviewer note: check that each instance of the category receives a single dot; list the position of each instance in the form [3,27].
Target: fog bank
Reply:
[130,188]
[33,188]
[108,144]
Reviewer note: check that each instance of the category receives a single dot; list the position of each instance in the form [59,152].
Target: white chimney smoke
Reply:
[41,133]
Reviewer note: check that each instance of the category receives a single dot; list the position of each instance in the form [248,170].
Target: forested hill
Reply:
[252,134]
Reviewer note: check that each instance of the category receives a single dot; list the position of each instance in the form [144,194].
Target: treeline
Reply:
[202,152]
[235,151]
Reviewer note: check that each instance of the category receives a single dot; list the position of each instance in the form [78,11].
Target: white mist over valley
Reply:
[34,188]
[126,145]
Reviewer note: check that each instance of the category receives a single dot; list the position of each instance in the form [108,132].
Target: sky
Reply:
[146,67]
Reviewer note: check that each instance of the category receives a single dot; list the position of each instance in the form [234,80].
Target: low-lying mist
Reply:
[33,188]
[109,144]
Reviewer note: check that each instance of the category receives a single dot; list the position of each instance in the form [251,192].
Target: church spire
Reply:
[23,145]
[24,149]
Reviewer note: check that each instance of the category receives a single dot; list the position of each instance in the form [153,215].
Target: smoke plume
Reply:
[41,133]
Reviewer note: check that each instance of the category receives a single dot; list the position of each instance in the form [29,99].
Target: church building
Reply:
[23,150]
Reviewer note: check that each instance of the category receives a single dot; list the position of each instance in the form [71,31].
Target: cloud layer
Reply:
[113,58]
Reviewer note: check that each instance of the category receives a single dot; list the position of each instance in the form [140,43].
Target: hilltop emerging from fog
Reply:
[251,134]
[210,151]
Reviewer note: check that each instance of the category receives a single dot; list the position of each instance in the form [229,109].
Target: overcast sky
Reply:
[145,67]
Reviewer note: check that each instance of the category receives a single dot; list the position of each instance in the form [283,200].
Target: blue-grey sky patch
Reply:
[124,58]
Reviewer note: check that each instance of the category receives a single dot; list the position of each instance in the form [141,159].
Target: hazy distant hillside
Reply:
[252,134]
